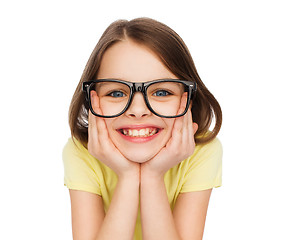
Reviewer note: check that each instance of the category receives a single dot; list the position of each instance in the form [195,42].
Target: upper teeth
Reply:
[145,132]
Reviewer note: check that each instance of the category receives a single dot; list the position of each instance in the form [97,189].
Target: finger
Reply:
[176,137]
[190,129]
[95,107]
[195,125]
[188,125]
[178,124]
[98,127]
[179,121]
[101,126]
[92,123]
[192,125]
[183,103]
[92,130]
[95,102]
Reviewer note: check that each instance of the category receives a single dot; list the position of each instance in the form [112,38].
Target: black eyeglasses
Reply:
[163,97]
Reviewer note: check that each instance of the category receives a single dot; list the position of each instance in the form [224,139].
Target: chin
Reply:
[138,158]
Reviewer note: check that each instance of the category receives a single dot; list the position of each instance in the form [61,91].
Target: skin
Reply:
[131,62]
[140,166]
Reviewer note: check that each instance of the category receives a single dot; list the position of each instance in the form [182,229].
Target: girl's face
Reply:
[138,134]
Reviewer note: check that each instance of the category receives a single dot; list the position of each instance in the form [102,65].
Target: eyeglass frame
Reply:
[190,87]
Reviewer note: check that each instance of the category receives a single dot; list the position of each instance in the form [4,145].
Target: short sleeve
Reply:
[79,173]
[204,168]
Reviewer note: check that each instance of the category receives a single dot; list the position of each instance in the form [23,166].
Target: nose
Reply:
[138,107]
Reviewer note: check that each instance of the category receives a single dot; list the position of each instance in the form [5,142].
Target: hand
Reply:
[101,147]
[180,146]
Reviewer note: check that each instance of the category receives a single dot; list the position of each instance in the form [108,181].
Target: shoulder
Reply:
[203,153]
[81,170]
[209,149]
[75,156]
[209,154]
[73,146]
[203,169]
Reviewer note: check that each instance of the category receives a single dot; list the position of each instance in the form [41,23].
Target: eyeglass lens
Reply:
[165,98]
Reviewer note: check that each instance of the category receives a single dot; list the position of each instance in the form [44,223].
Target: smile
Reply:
[144,132]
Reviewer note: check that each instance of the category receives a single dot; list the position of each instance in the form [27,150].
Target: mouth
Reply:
[139,133]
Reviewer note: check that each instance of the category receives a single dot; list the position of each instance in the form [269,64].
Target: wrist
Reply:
[132,176]
[148,174]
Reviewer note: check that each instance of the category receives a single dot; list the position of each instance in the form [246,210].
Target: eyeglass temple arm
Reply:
[85,86]
[194,90]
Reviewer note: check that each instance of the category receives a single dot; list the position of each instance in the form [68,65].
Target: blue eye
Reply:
[161,93]
[117,94]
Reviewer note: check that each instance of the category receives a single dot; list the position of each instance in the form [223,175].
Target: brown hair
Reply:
[172,51]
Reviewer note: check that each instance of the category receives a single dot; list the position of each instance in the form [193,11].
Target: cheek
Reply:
[169,125]
[108,124]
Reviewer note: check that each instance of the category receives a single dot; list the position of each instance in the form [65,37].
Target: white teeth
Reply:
[144,132]
[135,132]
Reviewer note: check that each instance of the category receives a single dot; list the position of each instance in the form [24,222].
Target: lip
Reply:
[139,139]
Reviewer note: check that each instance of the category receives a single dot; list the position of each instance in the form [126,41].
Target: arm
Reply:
[187,220]
[120,219]
[156,215]
[190,214]
[89,221]
[87,214]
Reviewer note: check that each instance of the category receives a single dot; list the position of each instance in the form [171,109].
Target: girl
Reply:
[141,163]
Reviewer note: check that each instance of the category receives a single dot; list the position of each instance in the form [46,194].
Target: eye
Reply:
[116,94]
[161,93]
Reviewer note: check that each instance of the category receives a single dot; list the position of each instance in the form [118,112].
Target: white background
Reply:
[44,48]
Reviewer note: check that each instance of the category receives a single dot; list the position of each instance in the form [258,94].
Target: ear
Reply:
[195,128]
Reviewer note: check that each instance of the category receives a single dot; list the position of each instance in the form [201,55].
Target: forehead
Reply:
[133,62]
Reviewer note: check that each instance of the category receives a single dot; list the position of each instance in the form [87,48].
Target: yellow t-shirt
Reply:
[201,171]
